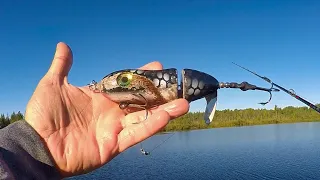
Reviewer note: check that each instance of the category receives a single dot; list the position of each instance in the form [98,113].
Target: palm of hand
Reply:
[83,130]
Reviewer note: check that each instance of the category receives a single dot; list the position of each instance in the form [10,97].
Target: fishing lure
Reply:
[145,89]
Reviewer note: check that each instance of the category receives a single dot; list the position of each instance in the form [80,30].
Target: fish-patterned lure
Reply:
[145,89]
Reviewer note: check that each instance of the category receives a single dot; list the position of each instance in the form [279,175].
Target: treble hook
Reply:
[271,89]
[92,85]
[124,105]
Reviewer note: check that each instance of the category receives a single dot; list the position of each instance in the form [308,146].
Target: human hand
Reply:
[84,130]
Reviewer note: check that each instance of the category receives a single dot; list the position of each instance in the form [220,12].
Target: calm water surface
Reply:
[286,151]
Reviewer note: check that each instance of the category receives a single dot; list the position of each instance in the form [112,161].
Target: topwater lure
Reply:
[145,89]
[290,92]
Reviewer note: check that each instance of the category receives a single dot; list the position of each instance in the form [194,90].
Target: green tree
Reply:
[2,121]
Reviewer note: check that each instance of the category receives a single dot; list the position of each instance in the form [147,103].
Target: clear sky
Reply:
[278,39]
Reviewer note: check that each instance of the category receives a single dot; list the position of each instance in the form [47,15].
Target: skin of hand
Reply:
[83,130]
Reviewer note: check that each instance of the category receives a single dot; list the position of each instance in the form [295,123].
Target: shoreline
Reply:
[220,127]
[243,117]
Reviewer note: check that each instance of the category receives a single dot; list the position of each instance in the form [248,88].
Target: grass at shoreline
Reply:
[245,117]
[166,131]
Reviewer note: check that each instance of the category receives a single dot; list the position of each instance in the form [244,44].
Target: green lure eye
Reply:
[124,80]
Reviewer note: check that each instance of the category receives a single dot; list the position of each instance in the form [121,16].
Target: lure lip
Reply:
[211,107]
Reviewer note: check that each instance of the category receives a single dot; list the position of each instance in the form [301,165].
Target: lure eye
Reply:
[124,80]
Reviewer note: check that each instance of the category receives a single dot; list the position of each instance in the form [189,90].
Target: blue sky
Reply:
[278,39]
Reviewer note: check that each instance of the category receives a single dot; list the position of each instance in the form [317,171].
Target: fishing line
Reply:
[158,144]
[162,142]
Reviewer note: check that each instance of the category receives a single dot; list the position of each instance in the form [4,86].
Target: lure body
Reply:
[149,88]
[156,86]
[127,86]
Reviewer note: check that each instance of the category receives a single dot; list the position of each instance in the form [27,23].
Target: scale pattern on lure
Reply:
[149,88]
[140,87]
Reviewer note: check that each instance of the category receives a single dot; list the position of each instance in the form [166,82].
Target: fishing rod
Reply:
[292,93]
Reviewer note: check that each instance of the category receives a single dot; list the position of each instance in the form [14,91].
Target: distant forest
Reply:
[5,120]
[223,118]
[245,117]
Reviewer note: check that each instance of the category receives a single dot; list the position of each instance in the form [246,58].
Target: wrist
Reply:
[25,153]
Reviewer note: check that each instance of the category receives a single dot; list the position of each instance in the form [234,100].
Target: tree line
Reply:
[5,120]
[244,117]
[223,118]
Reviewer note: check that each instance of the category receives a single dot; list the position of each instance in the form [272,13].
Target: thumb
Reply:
[62,61]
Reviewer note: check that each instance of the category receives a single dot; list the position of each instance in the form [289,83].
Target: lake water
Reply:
[285,151]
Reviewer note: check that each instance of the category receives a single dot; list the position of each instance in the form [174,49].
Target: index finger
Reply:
[156,65]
